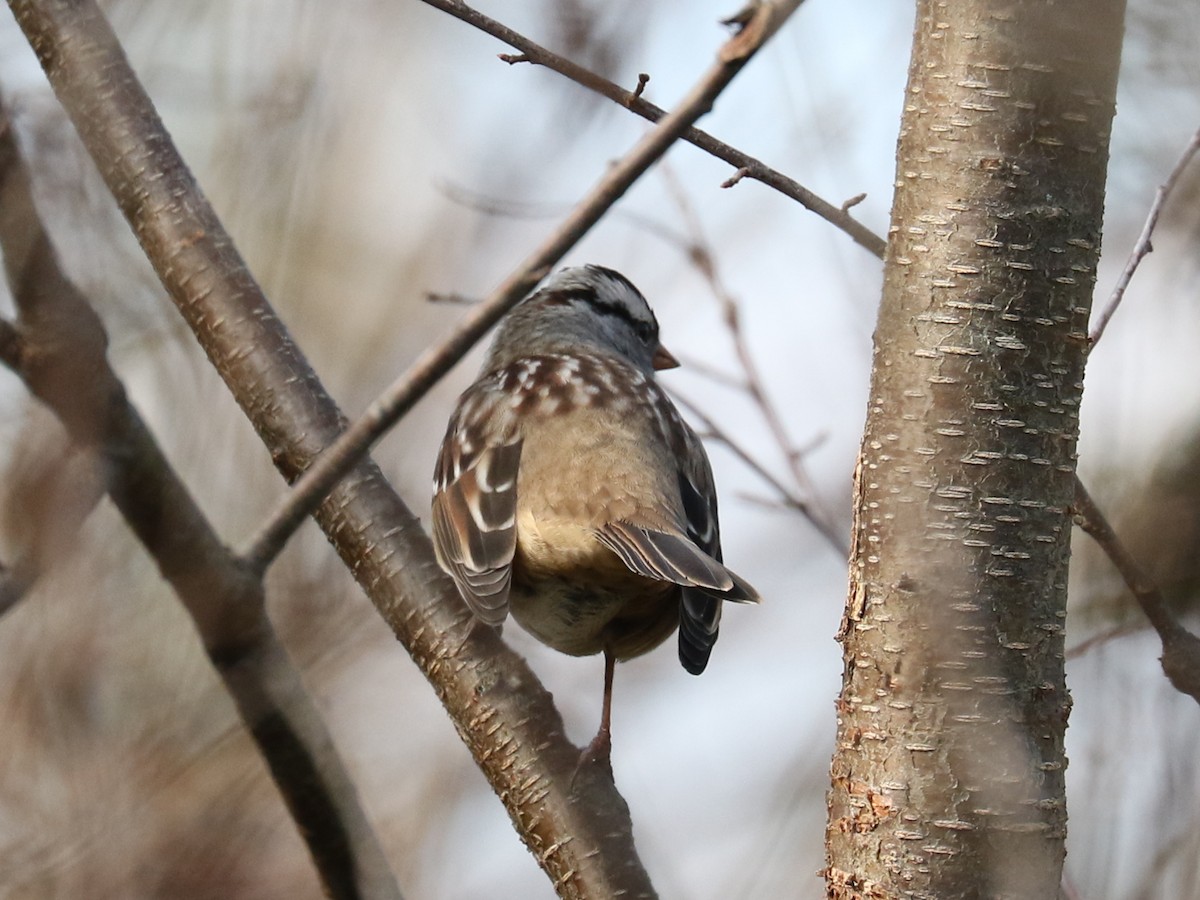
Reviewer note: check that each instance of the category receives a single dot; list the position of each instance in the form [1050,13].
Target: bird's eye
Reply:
[645,331]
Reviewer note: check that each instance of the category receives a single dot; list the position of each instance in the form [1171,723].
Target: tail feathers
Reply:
[699,621]
[673,557]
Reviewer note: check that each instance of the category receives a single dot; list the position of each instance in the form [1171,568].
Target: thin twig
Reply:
[747,166]
[489,205]
[65,366]
[700,252]
[1109,634]
[394,402]
[451,299]
[1181,649]
[711,372]
[789,497]
[1143,247]
[496,206]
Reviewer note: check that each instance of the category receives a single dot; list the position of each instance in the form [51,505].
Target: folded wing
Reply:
[689,557]
[475,501]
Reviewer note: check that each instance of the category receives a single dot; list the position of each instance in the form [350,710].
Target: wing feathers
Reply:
[474,516]
[664,556]
[475,501]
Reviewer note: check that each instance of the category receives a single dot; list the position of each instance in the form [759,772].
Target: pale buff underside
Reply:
[560,566]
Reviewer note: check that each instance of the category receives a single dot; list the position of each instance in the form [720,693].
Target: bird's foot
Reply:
[596,759]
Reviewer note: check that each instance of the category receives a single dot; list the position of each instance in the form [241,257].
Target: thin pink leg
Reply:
[600,749]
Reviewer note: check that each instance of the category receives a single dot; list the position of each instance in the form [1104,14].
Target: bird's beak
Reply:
[664,359]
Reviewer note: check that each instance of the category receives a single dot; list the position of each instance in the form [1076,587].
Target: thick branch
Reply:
[948,776]
[504,715]
[61,357]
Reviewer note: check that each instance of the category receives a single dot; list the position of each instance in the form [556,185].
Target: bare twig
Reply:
[65,366]
[733,179]
[1143,247]
[387,409]
[451,299]
[496,206]
[853,202]
[700,252]
[785,494]
[1181,649]
[747,166]
[1109,634]
[711,372]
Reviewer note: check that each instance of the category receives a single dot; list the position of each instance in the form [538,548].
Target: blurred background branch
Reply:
[402,395]
[63,362]
[1143,245]
[1181,648]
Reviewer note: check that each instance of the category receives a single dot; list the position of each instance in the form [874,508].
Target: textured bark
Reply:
[572,819]
[947,780]
[580,832]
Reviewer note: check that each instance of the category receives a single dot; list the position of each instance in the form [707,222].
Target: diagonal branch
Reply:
[1181,648]
[60,353]
[581,833]
[1143,247]
[747,166]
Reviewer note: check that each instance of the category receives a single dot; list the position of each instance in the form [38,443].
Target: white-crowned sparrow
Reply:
[569,490]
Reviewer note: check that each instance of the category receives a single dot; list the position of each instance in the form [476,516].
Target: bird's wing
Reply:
[475,499]
[689,557]
[664,556]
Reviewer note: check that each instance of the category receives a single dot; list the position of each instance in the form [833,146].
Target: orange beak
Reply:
[664,359]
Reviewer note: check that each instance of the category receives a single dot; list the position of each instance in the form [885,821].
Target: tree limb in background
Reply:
[59,350]
[579,833]
[49,495]
[700,253]
[1181,648]
[1143,247]
[1177,642]
[747,166]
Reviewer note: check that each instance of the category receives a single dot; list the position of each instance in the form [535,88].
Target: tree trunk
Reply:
[947,780]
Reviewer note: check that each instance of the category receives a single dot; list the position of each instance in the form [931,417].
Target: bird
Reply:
[569,491]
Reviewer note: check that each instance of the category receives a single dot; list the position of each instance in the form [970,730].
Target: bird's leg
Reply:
[600,749]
